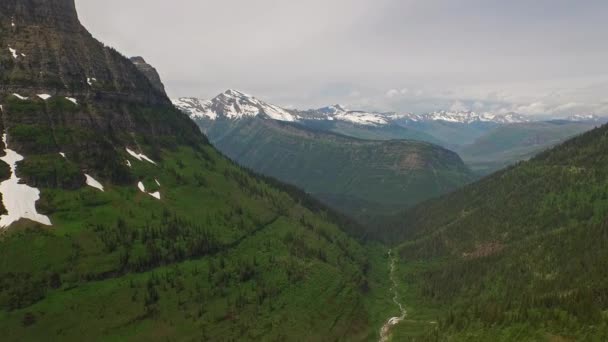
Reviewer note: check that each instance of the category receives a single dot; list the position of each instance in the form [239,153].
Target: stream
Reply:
[385,331]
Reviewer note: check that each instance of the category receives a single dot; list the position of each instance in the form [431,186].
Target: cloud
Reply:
[458,107]
[387,53]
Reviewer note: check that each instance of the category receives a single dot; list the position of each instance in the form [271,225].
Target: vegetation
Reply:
[222,254]
[518,255]
[361,178]
[508,144]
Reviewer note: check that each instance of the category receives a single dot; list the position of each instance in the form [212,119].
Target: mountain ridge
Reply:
[154,234]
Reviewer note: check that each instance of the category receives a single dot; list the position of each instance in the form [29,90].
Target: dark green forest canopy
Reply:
[520,252]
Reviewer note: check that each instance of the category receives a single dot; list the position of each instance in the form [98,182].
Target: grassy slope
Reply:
[272,269]
[519,255]
[358,176]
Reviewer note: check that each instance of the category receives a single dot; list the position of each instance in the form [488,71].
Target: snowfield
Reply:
[18,199]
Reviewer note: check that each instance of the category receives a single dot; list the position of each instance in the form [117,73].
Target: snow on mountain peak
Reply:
[466,117]
[233,105]
[583,117]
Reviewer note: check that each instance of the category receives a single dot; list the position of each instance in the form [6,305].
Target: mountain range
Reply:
[361,177]
[514,137]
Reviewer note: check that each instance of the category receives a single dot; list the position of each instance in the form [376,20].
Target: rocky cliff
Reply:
[150,72]
[61,90]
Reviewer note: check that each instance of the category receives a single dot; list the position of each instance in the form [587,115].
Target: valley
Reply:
[126,215]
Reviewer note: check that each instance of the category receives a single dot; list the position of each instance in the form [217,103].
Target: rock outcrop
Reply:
[150,72]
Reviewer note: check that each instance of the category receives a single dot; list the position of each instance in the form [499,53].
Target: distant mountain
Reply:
[466,117]
[358,177]
[486,141]
[519,255]
[233,105]
[586,118]
[508,144]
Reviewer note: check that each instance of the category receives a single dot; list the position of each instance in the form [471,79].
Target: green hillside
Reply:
[176,242]
[517,256]
[508,144]
[363,178]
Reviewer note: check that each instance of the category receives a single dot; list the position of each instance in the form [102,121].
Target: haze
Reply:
[546,57]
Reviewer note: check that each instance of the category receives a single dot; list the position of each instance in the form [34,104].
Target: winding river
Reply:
[385,331]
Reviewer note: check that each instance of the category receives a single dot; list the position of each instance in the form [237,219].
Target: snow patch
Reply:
[62,154]
[19,199]
[157,183]
[140,156]
[73,100]
[93,183]
[129,163]
[22,98]
[44,96]
[142,188]
[91,80]
[13,52]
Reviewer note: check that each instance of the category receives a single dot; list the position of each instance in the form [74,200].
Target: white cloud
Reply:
[392,93]
[296,51]
[458,107]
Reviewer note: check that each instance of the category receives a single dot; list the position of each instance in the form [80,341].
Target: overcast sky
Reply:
[533,57]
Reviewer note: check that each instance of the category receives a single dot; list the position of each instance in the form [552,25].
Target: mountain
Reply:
[585,118]
[150,72]
[121,222]
[519,255]
[363,178]
[232,105]
[466,117]
[508,144]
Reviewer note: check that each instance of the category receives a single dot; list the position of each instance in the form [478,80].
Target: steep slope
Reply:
[150,72]
[363,178]
[519,255]
[151,233]
[508,144]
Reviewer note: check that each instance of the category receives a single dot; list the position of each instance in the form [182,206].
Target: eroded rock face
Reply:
[150,72]
[45,50]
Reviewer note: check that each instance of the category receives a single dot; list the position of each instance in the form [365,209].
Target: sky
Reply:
[541,57]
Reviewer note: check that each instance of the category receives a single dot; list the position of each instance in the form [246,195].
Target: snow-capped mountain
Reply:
[584,118]
[467,117]
[232,105]
[340,113]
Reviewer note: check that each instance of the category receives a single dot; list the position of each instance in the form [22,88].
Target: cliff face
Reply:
[45,48]
[56,14]
[150,72]
[98,102]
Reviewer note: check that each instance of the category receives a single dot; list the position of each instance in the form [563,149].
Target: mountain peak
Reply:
[150,72]
[232,105]
[235,93]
